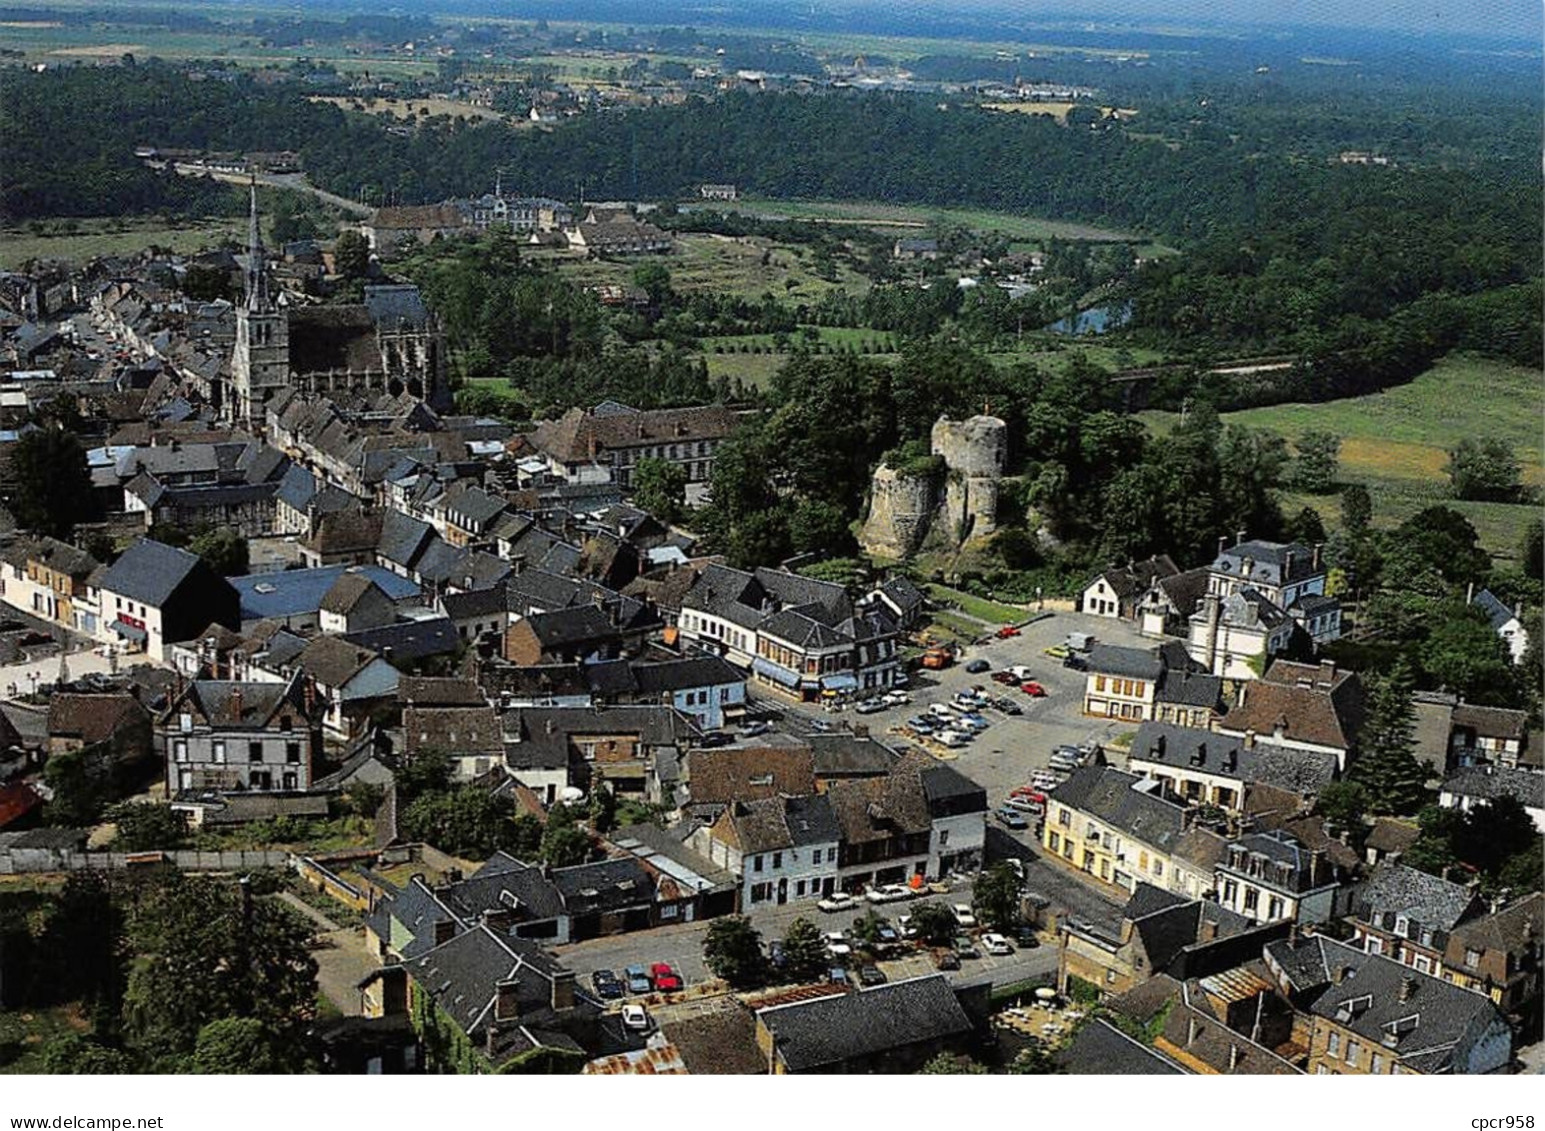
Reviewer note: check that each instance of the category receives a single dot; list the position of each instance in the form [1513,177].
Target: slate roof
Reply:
[1190,1034]
[871,809]
[1098,1048]
[504,883]
[1190,689]
[347,592]
[474,603]
[1185,590]
[333,661]
[149,572]
[402,538]
[236,704]
[603,886]
[1269,562]
[571,627]
[1133,580]
[843,754]
[1363,992]
[1107,793]
[408,641]
[1496,612]
[396,305]
[686,673]
[1511,930]
[1394,890]
[1486,783]
[1304,772]
[61,557]
[812,1035]
[1131,663]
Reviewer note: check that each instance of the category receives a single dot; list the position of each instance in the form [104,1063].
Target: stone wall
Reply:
[977,447]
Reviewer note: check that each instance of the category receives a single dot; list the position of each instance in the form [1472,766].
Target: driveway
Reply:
[341,955]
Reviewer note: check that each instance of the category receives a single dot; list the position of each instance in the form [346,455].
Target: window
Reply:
[1274,909]
[254,751]
[1376,1065]
[1064,817]
[1158,867]
[777,859]
[1230,891]
[1353,1048]
[1402,926]
[1067,849]
[1333,1044]
[1099,683]
[831,855]
[180,750]
[1472,958]
[1423,964]
[218,746]
[756,865]
[292,753]
[799,888]
[1252,899]
[1375,945]
[944,837]
[1053,841]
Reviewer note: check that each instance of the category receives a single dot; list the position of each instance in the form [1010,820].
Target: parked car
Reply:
[1033,689]
[942,711]
[838,901]
[922,724]
[638,980]
[607,985]
[977,666]
[870,976]
[1008,679]
[1033,803]
[756,729]
[905,926]
[995,943]
[665,980]
[897,698]
[1021,673]
[952,738]
[965,948]
[837,944]
[821,726]
[974,722]
[714,738]
[1011,819]
[870,707]
[889,893]
[1057,651]
[1008,706]
[636,1018]
[946,960]
[838,976]
[1007,631]
[886,935]
[963,915]
[1076,662]
[1043,780]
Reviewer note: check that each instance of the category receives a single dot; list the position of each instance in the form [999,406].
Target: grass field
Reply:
[989,611]
[1058,110]
[1396,442]
[404,108]
[884,215]
[113,237]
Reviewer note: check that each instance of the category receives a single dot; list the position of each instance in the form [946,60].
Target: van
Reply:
[950,738]
[941,711]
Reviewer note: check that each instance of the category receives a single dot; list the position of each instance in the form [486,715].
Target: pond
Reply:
[1095,320]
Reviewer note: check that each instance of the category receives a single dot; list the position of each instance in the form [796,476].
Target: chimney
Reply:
[236,702]
[563,990]
[507,1000]
[1287,566]
[1208,930]
[1222,544]
[1341,974]
[445,931]
[1407,988]
[311,694]
[1327,672]
[1191,1030]
[1239,537]
[1319,548]
[1233,1057]
[1250,739]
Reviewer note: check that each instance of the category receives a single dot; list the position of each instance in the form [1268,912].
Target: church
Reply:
[390,344]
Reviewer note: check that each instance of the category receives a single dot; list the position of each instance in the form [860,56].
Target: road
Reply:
[296,181]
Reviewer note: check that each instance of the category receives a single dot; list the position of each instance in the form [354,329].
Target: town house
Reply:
[226,736]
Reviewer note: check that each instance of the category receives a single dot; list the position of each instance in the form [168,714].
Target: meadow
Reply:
[1396,442]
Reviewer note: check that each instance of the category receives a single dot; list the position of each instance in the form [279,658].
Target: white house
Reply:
[1505,622]
[780,849]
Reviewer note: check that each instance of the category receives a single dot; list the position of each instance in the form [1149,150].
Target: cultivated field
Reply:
[407,108]
[1396,442]
[1058,110]
[113,237]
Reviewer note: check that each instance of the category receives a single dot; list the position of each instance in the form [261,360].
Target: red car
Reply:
[1007,631]
[1033,689]
[1005,678]
[1029,793]
[664,978]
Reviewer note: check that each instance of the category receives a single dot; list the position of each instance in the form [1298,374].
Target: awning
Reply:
[129,632]
[775,672]
[839,681]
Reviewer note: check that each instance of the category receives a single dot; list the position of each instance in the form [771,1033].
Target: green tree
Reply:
[1484,470]
[223,549]
[75,1055]
[603,807]
[1463,654]
[468,821]
[1493,833]
[660,487]
[1531,553]
[145,826]
[52,491]
[1356,509]
[1306,527]
[935,924]
[1316,466]
[351,255]
[732,949]
[206,953]
[82,950]
[1035,1059]
[950,1064]
[804,950]
[1344,803]
[995,898]
[1386,766]
[245,1046]
[428,771]
[654,279]
[564,843]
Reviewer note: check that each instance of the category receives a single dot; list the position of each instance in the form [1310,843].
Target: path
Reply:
[341,954]
[296,181]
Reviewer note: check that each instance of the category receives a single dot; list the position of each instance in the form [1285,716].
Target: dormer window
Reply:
[1402,926]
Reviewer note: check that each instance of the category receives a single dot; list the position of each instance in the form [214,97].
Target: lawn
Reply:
[991,612]
[1396,442]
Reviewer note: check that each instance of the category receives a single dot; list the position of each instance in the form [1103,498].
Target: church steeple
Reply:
[256,281]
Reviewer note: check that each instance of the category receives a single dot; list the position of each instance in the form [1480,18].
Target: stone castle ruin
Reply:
[913,507]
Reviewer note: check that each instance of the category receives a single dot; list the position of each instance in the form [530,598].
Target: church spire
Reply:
[257,263]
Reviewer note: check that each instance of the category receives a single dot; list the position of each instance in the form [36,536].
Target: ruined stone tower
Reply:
[908,508]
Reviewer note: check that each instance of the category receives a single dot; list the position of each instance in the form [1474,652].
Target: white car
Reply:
[888,893]
[635,1017]
[963,915]
[941,711]
[838,901]
[952,737]
[897,698]
[996,944]
[904,925]
[837,944]
[1021,672]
